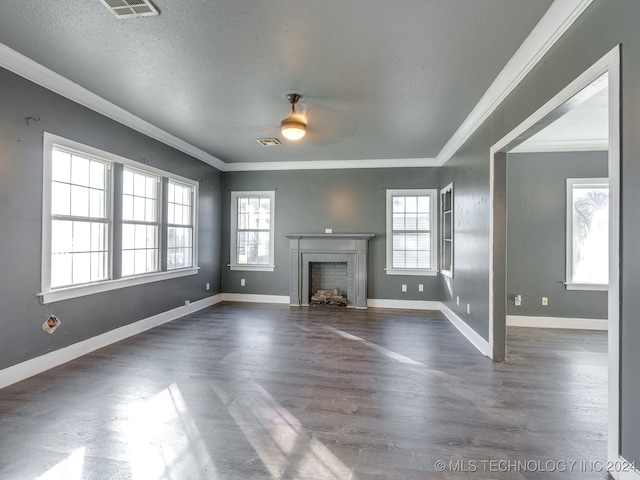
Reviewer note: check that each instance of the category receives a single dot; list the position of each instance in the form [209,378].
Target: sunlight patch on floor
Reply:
[68,469]
[278,437]
[163,439]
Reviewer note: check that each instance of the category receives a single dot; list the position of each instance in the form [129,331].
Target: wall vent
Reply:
[131,8]
[269,142]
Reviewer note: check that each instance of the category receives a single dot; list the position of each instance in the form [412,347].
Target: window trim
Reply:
[569,284]
[47,294]
[159,201]
[433,215]
[447,223]
[233,265]
[194,220]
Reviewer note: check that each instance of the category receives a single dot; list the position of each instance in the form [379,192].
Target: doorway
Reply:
[552,110]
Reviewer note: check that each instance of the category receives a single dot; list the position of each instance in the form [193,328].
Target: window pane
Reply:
[398,259]
[81,237]
[127,182]
[424,204]
[411,221]
[81,268]
[60,166]
[411,259]
[151,188]
[139,183]
[96,203]
[423,221]
[79,170]
[398,204]
[61,236]
[97,175]
[140,236]
[138,209]
[61,269]
[398,221]
[128,266]
[79,201]
[60,198]
[590,235]
[411,204]
[424,259]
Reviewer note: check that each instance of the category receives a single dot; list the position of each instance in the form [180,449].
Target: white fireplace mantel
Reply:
[329,247]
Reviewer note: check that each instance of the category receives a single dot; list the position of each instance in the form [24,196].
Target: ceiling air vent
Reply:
[269,142]
[131,8]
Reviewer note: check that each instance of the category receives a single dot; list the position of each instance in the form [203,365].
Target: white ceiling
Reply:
[379,79]
[584,125]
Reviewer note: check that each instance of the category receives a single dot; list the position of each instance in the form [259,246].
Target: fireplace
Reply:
[309,250]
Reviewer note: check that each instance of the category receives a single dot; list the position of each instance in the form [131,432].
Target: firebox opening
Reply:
[328,282]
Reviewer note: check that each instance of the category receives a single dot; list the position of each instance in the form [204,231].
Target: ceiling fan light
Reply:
[292,128]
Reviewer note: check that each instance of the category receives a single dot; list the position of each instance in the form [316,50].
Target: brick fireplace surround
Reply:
[349,248]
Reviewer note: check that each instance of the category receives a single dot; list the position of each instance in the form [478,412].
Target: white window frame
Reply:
[571,183]
[234,265]
[433,222]
[447,243]
[48,294]
[191,225]
[157,223]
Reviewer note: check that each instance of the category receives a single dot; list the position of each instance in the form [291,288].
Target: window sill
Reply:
[594,287]
[253,268]
[108,285]
[401,271]
[447,273]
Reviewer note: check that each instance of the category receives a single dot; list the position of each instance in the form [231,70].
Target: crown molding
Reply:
[596,145]
[557,20]
[332,164]
[25,67]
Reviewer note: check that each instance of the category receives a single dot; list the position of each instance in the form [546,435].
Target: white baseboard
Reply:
[623,470]
[406,304]
[24,370]
[255,298]
[557,322]
[476,340]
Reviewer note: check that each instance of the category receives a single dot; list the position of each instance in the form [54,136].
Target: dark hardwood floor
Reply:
[246,391]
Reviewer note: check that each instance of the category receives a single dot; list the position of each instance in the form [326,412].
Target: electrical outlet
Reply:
[404,287]
[518,300]
[545,301]
[457,300]
[328,230]
[468,309]
[420,287]
[242,282]
[207,286]
[187,303]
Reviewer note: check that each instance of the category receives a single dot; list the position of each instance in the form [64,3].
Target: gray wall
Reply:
[21,315]
[600,28]
[347,201]
[536,233]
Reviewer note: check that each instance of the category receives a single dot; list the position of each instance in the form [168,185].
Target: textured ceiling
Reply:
[379,79]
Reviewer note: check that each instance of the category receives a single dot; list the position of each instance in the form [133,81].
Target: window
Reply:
[252,231]
[102,223]
[411,233]
[587,233]
[180,225]
[446,221]
[140,222]
[80,219]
